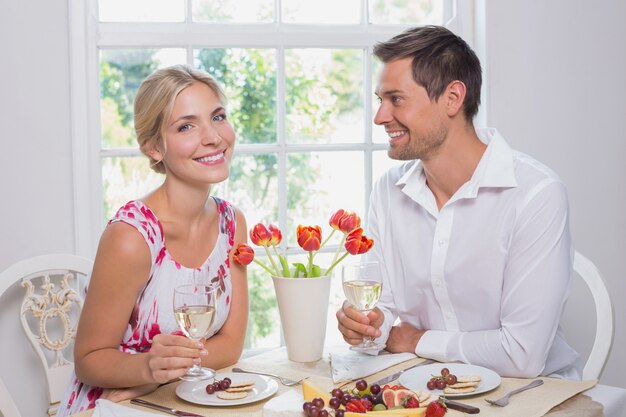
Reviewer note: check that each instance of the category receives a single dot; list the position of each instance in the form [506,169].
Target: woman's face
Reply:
[199,138]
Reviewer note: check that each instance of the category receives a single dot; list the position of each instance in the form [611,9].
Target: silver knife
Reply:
[465,408]
[396,375]
[148,404]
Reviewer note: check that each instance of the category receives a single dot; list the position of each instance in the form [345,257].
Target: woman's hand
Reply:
[354,325]
[121,394]
[171,356]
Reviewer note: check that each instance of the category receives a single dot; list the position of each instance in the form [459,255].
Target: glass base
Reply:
[198,374]
[367,346]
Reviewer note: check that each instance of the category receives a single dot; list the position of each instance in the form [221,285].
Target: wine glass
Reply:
[362,285]
[194,310]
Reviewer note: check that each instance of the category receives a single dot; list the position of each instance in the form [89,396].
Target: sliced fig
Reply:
[402,395]
[389,398]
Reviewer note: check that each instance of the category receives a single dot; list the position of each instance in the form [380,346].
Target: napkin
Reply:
[347,364]
[288,404]
[106,408]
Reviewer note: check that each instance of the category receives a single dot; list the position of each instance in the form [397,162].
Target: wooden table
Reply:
[556,398]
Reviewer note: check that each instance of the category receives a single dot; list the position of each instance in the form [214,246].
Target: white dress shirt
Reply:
[486,275]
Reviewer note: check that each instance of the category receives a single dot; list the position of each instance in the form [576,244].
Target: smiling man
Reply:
[473,236]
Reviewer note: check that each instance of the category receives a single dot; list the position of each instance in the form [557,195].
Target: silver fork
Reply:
[504,401]
[285,381]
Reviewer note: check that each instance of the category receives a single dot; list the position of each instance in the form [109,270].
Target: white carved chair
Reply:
[603,340]
[613,399]
[52,301]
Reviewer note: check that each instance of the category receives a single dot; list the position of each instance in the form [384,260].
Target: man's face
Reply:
[417,126]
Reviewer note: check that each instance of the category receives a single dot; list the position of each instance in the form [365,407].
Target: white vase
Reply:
[303,307]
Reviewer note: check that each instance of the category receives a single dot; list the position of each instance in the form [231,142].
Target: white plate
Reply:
[195,392]
[416,378]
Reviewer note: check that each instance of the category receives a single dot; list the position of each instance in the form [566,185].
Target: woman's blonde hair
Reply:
[154,103]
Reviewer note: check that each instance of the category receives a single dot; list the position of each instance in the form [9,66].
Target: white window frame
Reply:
[88,35]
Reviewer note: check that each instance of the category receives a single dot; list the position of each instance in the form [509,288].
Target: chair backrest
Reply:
[50,307]
[603,340]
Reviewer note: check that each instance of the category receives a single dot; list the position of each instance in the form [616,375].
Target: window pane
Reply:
[321,11]
[320,183]
[125,179]
[252,186]
[241,11]
[381,163]
[121,72]
[263,320]
[142,10]
[414,12]
[324,95]
[248,77]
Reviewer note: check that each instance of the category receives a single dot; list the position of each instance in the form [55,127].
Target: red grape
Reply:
[337,393]
[445,372]
[334,403]
[322,413]
[450,379]
[224,384]
[306,406]
[431,385]
[375,389]
[361,385]
[210,389]
[318,402]
[441,384]
[339,413]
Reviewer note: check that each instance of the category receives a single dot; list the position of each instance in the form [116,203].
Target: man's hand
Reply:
[403,338]
[355,325]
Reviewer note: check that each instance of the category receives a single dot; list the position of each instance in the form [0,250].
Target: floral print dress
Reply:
[153,311]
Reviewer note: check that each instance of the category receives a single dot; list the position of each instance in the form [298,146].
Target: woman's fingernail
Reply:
[204,352]
[197,361]
[200,345]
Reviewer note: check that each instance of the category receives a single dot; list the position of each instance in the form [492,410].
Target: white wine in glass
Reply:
[362,285]
[194,310]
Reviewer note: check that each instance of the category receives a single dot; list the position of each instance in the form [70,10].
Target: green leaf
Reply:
[316,271]
[300,268]
[285,266]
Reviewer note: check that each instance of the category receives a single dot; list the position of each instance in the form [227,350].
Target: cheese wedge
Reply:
[311,390]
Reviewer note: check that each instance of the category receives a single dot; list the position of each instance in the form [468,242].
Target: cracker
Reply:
[224,395]
[464,384]
[468,378]
[242,384]
[240,389]
[449,390]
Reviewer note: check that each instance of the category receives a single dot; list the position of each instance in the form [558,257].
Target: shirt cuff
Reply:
[433,345]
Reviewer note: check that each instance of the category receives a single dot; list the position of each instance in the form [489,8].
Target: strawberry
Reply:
[411,402]
[436,409]
[356,406]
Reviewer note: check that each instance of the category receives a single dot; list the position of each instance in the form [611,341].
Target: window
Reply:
[299,78]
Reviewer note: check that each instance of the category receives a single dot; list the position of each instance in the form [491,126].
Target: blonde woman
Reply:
[128,341]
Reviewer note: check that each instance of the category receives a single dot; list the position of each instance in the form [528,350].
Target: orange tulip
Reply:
[260,235]
[357,243]
[244,254]
[309,237]
[277,235]
[345,221]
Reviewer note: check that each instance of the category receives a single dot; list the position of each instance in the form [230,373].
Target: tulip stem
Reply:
[262,265]
[269,256]
[309,269]
[343,240]
[334,264]
[332,232]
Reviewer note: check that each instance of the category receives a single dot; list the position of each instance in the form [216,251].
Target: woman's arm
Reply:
[121,270]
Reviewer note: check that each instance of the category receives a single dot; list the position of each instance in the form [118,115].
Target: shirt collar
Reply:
[495,169]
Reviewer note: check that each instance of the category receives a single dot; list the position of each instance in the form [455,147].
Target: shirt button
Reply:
[441,242]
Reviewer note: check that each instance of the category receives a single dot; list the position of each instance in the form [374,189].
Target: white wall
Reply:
[35,167]
[555,89]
